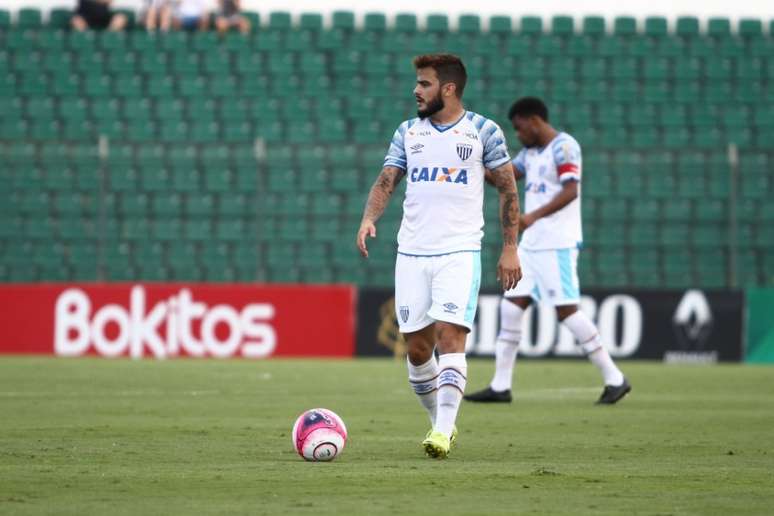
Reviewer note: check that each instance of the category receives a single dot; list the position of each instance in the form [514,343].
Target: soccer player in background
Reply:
[443,154]
[551,239]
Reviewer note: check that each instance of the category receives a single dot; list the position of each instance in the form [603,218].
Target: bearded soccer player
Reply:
[443,154]
[551,239]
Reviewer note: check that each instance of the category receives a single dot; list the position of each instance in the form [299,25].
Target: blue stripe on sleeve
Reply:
[396,154]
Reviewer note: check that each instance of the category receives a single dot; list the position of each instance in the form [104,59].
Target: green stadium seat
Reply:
[750,28]
[625,26]
[331,40]
[611,47]
[280,21]
[719,27]
[437,23]
[310,22]
[255,20]
[549,46]
[594,26]
[687,27]
[29,18]
[469,24]
[531,25]
[405,23]
[656,27]
[375,22]
[344,20]
[59,18]
[5,19]
[563,26]
[501,25]
[642,47]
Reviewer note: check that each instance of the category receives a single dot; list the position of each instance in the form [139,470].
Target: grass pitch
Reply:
[94,436]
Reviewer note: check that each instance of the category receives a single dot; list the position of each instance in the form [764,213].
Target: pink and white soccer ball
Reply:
[319,435]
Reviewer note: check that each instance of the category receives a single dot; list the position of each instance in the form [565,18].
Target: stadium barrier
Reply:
[674,326]
[165,320]
[760,326]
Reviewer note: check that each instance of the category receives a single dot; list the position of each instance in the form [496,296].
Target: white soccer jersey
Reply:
[443,208]
[546,169]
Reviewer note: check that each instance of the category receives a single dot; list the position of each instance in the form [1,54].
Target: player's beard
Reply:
[432,107]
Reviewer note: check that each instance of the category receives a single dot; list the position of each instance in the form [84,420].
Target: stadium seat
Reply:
[375,22]
[343,20]
[500,25]
[563,26]
[29,18]
[625,26]
[594,26]
[312,22]
[656,27]
[280,21]
[437,23]
[750,28]
[719,27]
[405,23]
[531,25]
[687,27]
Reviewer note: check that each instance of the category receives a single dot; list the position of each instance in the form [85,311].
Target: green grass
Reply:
[93,436]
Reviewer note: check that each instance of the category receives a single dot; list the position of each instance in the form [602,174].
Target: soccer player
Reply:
[551,239]
[444,154]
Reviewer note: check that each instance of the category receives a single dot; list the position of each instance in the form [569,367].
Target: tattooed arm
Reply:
[508,268]
[378,198]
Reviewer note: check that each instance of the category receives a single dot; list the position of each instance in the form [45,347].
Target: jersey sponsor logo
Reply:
[464,150]
[450,308]
[439,174]
[467,134]
[535,187]
[420,133]
[417,149]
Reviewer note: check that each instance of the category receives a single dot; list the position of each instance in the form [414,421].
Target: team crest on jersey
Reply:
[464,150]
[404,313]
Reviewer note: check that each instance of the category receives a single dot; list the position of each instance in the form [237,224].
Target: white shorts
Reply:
[436,288]
[550,276]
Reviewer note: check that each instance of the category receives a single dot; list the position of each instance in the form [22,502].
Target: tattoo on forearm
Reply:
[509,203]
[381,191]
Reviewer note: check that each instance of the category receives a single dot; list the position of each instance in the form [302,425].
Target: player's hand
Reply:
[367,228]
[526,220]
[509,268]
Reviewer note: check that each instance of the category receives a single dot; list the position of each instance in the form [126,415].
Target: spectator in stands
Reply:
[230,16]
[158,14]
[192,15]
[96,14]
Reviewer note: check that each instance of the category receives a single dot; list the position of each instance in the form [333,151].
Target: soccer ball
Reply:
[319,435]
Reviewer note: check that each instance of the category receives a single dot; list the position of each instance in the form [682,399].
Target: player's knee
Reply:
[419,347]
[450,338]
[419,355]
[563,312]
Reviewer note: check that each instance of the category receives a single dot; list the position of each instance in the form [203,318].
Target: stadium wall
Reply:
[208,320]
[167,320]
[760,326]
[692,326]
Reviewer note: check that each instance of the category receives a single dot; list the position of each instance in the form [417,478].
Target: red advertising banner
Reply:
[166,320]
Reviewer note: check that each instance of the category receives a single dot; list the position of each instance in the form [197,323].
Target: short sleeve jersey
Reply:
[545,170]
[443,207]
